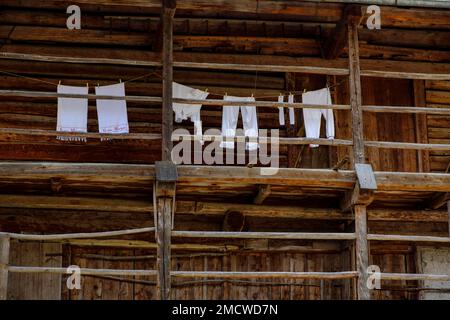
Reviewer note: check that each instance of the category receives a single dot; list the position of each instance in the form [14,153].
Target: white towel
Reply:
[72,113]
[313,117]
[112,114]
[291,110]
[281,111]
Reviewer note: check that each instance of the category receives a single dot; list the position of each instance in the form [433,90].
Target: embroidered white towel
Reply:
[112,114]
[183,111]
[72,113]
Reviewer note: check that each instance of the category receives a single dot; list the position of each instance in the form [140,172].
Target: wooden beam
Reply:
[263,193]
[264,275]
[439,200]
[355,94]
[369,67]
[414,277]
[448,209]
[339,38]
[362,251]
[4,262]
[164,195]
[264,235]
[357,196]
[84,271]
[168,12]
[391,237]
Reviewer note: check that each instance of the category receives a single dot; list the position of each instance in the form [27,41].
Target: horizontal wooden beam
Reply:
[264,235]
[56,237]
[407,145]
[84,271]
[88,135]
[191,174]
[213,208]
[369,67]
[414,277]
[264,275]
[390,237]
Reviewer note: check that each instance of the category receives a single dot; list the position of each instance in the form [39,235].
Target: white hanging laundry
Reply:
[184,111]
[291,110]
[230,116]
[281,110]
[112,114]
[313,117]
[72,112]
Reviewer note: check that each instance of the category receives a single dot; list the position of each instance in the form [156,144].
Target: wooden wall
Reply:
[438,96]
[381,126]
[144,288]
[26,286]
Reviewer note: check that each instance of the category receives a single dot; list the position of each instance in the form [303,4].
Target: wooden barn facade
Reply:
[370,206]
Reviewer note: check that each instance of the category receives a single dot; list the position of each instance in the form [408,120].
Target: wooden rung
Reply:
[264,235]
[38,237]
[389,237]
[262,275]
[414,276]
[84,271]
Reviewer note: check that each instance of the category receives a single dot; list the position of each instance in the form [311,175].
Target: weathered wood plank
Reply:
[4,262]
[362,251]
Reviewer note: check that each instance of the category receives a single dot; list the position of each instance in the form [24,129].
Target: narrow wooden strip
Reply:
[414,276]
[388,237]
[262,275]
[84,271]
[38,237]
[264,235]
[408,145]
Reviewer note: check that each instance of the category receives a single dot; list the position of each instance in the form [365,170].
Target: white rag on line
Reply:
[112,114]
[230,115]
[313,117]
[291,111]
[184,111]
[72,112]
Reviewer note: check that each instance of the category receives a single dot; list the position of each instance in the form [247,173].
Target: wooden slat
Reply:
[389,237]
[263,235]
[362,251]
[264,275]
[4,261]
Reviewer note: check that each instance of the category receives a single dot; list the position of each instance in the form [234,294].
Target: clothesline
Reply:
[155,73]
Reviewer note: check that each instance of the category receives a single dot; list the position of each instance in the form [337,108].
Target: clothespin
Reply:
[252,94]
[87,84]
[226,94]
[304,90]
[120,80]
[59,82]
[206,90]
[98,84]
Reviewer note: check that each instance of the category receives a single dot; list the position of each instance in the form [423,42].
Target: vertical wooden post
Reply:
[164,197]
[163,240]
[355,93]
[168,12]
[448,209]
[4,261]
[361,246]
[362,257]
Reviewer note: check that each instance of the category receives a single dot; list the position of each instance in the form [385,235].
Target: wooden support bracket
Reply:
[363,192]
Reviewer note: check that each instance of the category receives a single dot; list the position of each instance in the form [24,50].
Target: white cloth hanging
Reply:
[291,110]
[281,111]
[313,117]
[230,115]
[72,112]
[184,111]
[112,114]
